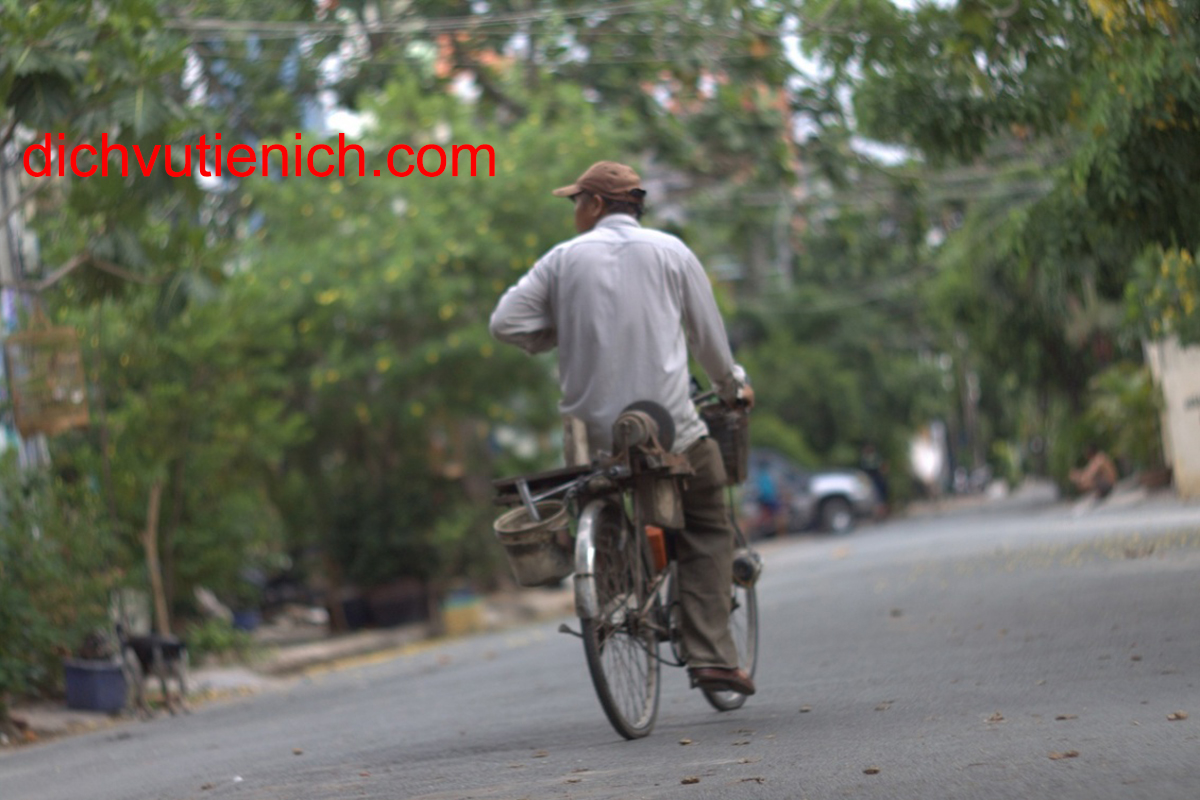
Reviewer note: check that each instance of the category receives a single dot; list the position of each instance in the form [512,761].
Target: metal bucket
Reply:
[540,553]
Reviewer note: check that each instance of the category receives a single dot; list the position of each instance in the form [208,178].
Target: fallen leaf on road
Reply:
[744,730]
[1177,716]
[206,787]
[756,780]
[805,709]
[1041,683]
[296,751]
[540,754]
[1061,717]
[364,774]
[1135,658]
[754,760]
[1061,756]
[885,705]
[690,780]
[739,744]
[871,771]
[574,780]
[897,613]
[997,717]
[685,741]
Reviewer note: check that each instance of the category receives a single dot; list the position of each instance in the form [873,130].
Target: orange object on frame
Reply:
[658,546]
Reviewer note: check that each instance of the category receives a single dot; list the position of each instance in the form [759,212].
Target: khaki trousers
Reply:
[705,554]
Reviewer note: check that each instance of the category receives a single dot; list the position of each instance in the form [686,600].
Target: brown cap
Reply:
[609,180]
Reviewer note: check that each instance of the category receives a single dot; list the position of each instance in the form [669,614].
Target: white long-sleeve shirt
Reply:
[622,303]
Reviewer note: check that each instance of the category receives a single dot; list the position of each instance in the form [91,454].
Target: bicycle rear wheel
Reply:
[743,624]
[621,647]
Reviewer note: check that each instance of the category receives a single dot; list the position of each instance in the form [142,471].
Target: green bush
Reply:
[1006,461]
[1067,439]
[56,573]
[218,638]
[1124,409]
[1163,297]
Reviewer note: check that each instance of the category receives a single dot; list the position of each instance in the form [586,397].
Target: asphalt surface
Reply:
[1020,653]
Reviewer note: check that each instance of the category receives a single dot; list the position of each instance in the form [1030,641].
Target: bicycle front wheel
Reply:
[621,645]
[743,624]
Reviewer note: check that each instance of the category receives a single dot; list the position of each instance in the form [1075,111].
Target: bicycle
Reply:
[626,510]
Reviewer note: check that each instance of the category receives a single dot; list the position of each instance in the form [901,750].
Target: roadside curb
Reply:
[298,658]
[41,721]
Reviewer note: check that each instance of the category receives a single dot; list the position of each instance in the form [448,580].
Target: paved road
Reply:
[953,655]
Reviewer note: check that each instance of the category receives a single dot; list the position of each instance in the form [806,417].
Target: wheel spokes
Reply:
[628,662]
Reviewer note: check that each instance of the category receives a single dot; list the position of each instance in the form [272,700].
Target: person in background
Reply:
[873,464]
[769,501]
[1098,476]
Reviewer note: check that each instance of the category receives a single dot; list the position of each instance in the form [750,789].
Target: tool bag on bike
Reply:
[730,429]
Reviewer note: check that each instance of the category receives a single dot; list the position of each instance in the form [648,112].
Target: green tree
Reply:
[387,285]
[56,568]
[1082,113]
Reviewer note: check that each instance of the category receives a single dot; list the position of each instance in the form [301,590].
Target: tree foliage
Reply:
[386,286]
[302,364]
[1083,114]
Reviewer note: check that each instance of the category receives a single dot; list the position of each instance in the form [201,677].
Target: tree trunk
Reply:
[110,494]
[337,614]
[168,534]
[150,544]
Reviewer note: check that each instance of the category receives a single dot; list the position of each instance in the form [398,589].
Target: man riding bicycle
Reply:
[622,304]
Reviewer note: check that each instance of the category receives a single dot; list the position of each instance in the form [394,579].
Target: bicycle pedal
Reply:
[564,628]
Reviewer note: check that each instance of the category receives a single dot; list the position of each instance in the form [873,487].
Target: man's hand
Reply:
[746,396]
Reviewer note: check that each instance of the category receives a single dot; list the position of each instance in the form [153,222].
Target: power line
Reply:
[427,25]
[511,22]
[581,63]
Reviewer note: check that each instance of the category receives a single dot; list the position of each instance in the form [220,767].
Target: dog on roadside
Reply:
[154,656]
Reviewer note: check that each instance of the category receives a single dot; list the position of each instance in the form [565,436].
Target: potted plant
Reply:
[247,600]
[95,677]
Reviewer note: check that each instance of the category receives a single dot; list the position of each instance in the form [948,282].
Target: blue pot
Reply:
[94,685]
[247,620]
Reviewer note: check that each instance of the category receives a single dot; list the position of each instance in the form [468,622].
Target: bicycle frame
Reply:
[625,599]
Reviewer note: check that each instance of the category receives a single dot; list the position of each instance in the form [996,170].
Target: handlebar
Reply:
[708,398]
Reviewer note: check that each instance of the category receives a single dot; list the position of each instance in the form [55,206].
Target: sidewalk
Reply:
[286,658]
[1031,492]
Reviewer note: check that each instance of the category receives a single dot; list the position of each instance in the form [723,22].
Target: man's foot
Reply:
[721,679]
